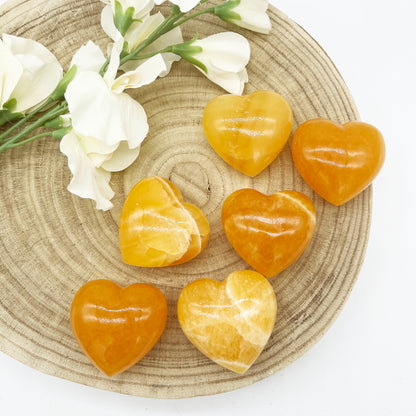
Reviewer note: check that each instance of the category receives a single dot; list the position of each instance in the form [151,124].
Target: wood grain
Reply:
[53,242]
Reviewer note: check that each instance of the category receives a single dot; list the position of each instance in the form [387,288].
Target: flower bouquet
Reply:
[100,127]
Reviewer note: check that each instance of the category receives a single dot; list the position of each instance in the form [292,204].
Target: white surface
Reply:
[365,364]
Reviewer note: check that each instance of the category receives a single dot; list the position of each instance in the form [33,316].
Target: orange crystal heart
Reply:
[248,132]
[157,228]
[268,232]
[230,322]
[116,327]
[338,161]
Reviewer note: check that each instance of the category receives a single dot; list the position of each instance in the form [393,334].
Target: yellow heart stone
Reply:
[248,132]
[230,322]
[158,228]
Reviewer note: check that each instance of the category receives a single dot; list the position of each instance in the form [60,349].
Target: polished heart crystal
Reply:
[230,322]
[268,232]
[157,228]
[248,132]
[116,327]
[338,161]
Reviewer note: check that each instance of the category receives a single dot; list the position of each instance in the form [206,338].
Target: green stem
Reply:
[150,55]
[30,139]
[59,109]
[25,119]
[166,26]
[192,16]
[104,66]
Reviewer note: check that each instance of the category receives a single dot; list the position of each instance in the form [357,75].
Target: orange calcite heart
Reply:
[230,322]
[268,232]
[338,161]
[248,132]
[157,228]
[116,327]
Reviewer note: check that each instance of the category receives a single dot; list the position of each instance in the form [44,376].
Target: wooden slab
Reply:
[52,242]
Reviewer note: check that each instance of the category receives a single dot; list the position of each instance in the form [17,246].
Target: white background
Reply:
[365,364]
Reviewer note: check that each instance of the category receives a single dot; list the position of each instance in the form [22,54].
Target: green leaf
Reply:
[123,18]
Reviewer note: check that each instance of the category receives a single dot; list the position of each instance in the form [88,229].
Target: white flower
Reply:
[138,32]
[184,5]
[29,73]
[98,106]
[108,125]
[221,57]
[249,14]
[91,163]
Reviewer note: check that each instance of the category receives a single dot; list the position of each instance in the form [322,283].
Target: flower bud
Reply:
[221,57]
[249,14]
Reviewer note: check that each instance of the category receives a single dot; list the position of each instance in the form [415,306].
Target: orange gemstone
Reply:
[338,161]
[248,132]
[116,327]
[230,322]
[157,228]
[268,232]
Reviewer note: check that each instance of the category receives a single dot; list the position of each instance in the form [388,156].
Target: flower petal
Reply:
[253,15]
[97,151]
[184,5]
[249,14]
[143,75]
[88,58]
[229,81]
[107,23]
[112,68]
[10,73]
[139,31]
[225,56]
[87,181]
[122,158]
[41,72]
[227,51]
[98,112]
